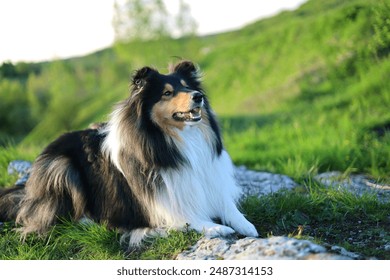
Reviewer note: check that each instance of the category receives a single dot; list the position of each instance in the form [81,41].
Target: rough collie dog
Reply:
[158,164]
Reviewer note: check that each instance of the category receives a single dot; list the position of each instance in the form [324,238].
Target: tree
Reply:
[149,19]
[15,118]
[140,20]
[185,23]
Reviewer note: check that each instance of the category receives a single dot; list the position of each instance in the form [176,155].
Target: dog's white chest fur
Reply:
[199,191]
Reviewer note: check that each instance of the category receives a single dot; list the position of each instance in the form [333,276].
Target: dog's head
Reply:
[150,121]
[172,100]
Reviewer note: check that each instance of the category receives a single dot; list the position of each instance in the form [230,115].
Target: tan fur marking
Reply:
[163,111]
[168,87]
[183,83]
[181,102]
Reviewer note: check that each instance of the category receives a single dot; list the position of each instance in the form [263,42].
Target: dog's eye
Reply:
[167,93]
[138,83]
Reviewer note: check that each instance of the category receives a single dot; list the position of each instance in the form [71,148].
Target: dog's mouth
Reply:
[194,115]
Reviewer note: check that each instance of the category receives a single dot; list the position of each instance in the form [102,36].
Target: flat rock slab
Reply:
[22,168]
[255,183]
[272,248]
[355,183]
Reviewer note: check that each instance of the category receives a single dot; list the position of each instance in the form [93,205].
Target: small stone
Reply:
[22,168]
[342,251]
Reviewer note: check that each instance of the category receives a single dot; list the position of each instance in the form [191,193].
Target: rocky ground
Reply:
[256,183]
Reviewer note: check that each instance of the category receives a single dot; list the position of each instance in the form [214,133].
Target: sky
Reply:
[36,30]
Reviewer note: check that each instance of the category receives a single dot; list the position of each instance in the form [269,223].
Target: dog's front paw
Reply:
[247,229]
[134,238]
[218,230]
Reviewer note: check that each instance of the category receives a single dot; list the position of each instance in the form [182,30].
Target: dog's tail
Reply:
[10,202]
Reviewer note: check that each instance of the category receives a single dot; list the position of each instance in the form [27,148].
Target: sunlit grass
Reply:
[324,215]
[300,93]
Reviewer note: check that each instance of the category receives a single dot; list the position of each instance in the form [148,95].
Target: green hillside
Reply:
[299,93]
[303,91]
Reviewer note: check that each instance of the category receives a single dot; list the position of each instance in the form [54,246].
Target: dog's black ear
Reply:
[188,69]
[140,77]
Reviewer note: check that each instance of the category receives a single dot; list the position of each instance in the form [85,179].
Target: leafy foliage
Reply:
[141,20]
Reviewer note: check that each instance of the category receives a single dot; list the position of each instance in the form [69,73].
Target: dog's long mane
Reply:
[131,134]
[141,150]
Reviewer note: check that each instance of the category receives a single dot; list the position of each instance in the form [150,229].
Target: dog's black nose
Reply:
[197,96]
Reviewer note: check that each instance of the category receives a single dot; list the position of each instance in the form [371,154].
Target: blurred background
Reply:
[45,30]
[300,87]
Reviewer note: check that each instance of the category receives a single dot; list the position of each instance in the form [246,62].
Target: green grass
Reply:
[165,248]
[75,241]
[300,93]
[64,241]
[324,215]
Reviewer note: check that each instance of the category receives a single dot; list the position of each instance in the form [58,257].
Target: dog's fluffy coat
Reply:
[159,163]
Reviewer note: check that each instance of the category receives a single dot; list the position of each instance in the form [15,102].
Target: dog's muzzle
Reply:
[195,114]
